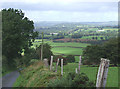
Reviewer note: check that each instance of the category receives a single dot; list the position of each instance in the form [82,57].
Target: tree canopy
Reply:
[17,33]
[47,53]
[108,50]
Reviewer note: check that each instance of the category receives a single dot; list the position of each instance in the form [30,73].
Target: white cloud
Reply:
[57,1]
[65,10]
[71,16]
[80,6]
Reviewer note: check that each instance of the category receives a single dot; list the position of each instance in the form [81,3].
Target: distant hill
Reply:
[58,23]
[110,23]
[46,23]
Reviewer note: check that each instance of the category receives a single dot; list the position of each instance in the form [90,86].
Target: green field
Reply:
[67,51]
[73,44]
[91,72]
[69,48]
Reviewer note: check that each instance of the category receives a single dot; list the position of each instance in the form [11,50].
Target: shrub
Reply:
[4,61]
[47,53]
[60,57]
[72,80]
[33,61]
[23,61]
[70,58]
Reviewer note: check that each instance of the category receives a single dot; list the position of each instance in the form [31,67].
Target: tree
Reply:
[26,59]
[106,37]
[70,58]
[92,54]
[17,33]
[101,38]
[93,38]
[108,50]
[77,36]
[96,38]
[47,53]
[112,50]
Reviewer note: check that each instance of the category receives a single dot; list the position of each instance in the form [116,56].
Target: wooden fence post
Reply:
[102,73]
[57,64]
[61,66]
[99,75]
[45,62]
[79,63]
[51,62]
[42,48]
[105,73]
[76,71]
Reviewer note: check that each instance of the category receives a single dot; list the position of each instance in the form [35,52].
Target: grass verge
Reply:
[35,75]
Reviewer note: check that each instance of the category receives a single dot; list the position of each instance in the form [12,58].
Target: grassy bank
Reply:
[35,75]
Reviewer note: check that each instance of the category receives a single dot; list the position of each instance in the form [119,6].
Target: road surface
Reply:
[9,79]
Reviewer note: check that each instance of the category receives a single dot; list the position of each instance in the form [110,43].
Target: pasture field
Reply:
[91,72]
[69,48]
[67,51]
[73,44]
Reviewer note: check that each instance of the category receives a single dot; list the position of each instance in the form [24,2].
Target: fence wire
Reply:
[91,72]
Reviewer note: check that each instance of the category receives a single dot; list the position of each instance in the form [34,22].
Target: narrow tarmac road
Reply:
[9,79]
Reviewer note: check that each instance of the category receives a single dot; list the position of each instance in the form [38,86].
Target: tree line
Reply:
[109,50]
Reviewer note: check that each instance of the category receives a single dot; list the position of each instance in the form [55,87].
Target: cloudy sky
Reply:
[66,10]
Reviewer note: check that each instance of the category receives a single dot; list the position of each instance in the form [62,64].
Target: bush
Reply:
[4,64]
[4,61]
[47,53]
[23,61]
[32,53]
[70,58]
[72,80]
[7,66]
[60,57]
[87,62]
[33,61]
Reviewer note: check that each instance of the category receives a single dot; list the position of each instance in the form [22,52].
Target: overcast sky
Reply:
[65,10]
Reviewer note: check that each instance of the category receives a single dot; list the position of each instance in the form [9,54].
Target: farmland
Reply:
[34,80]
[92,73]
[67,51]
[72,38]
[70,48]
[72,41]
[78,30]
[55,53]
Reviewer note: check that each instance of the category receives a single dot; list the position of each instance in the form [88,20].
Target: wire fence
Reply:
[91,72]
